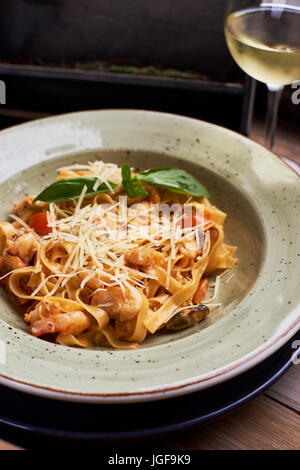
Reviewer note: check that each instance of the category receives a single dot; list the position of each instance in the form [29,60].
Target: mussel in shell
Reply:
[188,317]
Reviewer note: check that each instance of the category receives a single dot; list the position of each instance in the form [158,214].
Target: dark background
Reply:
[184,34]
[181,34]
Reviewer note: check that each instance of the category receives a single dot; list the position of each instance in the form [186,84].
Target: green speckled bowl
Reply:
[260,296]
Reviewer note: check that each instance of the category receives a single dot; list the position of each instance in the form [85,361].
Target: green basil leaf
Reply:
[71,188]
[126,172]
[132,186]
[174,179]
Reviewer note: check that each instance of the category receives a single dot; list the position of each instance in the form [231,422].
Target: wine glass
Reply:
[264,40]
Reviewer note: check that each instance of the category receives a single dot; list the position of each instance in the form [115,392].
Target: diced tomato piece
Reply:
[39,223]
[201,292]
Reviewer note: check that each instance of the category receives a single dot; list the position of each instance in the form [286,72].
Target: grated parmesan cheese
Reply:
[100,238]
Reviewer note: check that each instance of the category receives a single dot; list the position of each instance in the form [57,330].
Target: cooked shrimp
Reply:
[46,317]
[9,262]
[117,304]
[140,256]
[24,245]
[19,208]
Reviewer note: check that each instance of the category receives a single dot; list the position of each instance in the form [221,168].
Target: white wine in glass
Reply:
[264,40]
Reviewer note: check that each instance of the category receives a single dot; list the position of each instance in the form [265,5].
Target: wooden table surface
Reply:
[270,421]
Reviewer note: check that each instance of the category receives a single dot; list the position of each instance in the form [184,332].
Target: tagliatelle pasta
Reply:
[104,269]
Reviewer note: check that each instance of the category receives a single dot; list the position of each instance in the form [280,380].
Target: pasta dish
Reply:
[106,256]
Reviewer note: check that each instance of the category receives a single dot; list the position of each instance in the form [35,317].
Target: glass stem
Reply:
[274,95]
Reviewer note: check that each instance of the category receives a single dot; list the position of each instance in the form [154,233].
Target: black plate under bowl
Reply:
[30,420]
